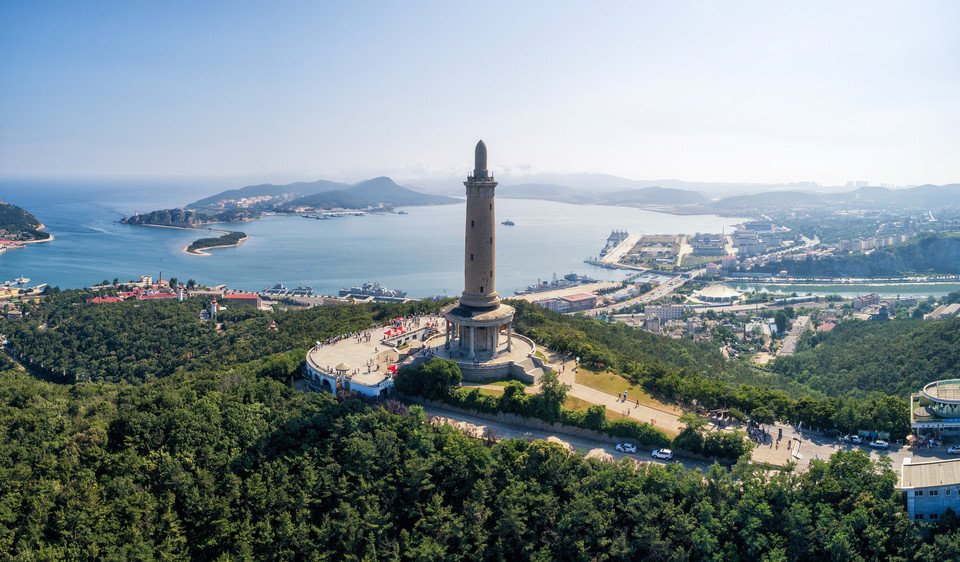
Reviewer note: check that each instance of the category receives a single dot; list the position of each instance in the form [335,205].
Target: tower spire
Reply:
[480,160]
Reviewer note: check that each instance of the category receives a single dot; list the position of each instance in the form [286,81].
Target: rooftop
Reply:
[947,391]
[579,296]
[934,473]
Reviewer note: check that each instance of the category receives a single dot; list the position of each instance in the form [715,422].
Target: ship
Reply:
[508,222]
[22,280]
[280,290]
[372,289]
[569,280]
[616,236]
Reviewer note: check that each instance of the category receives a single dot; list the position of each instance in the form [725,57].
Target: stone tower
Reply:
[474,323]
[479,269]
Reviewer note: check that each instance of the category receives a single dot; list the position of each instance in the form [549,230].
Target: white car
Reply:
[626,448]
[853,439]
[955,450]
[880,444]
[665,454]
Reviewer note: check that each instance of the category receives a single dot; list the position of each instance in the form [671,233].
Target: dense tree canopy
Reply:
[69,339]
[211,455]
[230,465]
[859,357]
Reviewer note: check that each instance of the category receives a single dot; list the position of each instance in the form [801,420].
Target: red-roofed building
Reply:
[242,298]
[158,296]
[99,300]
[826,327]
[580,301]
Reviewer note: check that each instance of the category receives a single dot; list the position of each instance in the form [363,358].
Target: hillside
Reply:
[381,191]
[321,194]
[189,219]
[18,224]
[935,254]
[280,192]
[897,357]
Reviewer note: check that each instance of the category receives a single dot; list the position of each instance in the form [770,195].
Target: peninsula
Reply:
[18,227]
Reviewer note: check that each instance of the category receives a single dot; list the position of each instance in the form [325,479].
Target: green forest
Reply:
[685,370]
[860,357]
[230,465]
[231,238]
[180,442]
[185,218]
[933,254]
[19,224]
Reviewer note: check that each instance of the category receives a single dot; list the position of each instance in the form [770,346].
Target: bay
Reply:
[420,252]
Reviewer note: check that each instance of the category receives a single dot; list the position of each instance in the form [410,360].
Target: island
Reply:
[229,239]
[319,199]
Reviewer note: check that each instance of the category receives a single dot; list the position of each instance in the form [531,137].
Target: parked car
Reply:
[853,439]
[880,444]
[665,454]
[626,448]
[955,450]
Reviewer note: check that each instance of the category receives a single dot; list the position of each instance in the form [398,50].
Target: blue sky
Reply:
[700,91]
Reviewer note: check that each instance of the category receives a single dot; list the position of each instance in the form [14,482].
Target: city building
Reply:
[866,300]
[936,409]
[707,245]
[665,312]
[569,303]
[717,294]
[930,488]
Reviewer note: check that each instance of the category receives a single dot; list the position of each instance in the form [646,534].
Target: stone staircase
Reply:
[527,370]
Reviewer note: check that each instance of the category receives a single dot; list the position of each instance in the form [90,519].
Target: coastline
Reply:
[4,248]
[204,252]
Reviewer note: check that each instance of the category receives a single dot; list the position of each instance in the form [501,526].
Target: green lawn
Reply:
[581,405]
[615,384]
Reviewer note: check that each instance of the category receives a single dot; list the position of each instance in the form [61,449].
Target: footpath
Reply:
[665,419]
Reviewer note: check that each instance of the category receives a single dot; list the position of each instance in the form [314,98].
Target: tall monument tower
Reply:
[474,323]
[479,257]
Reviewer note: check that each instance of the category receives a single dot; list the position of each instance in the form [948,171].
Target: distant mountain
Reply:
[654,196]
[924,196]
[645,196]
[380,191]
[775,199]
[18,224]
[279,192]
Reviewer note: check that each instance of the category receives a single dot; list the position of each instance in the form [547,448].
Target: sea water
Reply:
[420,252]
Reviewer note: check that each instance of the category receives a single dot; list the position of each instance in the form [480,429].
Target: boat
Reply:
[402,213]
[508,222]
[22,280]
[372,289]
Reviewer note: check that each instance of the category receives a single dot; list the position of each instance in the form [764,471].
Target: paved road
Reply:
[582,444]
[659,291]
